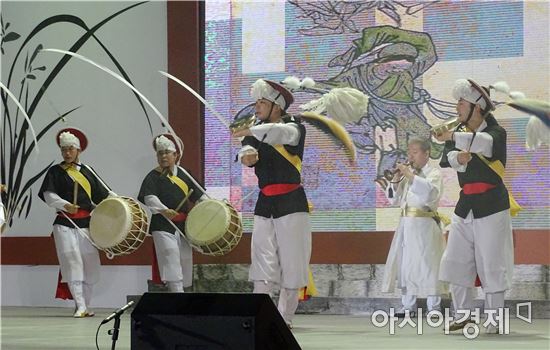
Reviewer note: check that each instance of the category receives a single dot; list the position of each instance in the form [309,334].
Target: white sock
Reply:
[175,286]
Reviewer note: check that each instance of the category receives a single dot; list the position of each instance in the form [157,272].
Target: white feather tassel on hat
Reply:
[517,95]
[342,104]
[292,82]
[501,86]
[307,82]
[164,144]
[536,134]
[67,139]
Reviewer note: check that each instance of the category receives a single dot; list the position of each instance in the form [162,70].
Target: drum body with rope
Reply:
[118,225]
[214,227]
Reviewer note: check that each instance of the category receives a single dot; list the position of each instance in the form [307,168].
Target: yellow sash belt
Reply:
[419,213]
[79,178]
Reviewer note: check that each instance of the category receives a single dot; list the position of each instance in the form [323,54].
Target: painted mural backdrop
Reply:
[405,55]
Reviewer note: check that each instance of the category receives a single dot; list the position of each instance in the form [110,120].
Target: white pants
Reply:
[175,258]
[281,249]
[463,298]
[288,298]
[481,246]
[433,302]
[78,258]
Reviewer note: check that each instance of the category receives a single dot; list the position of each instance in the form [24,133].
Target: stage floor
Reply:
[25,328]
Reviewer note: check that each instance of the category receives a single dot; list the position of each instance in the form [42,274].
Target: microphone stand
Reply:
[114,331]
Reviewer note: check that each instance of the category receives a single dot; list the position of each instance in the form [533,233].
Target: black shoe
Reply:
[456,326]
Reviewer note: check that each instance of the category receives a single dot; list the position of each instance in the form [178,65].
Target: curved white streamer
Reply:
[198,96]
[124,81]
[12,96]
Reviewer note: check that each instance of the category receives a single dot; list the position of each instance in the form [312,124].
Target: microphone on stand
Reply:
[118,312]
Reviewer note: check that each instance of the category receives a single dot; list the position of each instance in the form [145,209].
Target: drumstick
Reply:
[75,192]
[184,200]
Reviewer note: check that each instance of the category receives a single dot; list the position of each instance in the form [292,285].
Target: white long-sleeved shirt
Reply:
[424,191]
[482,143]
[273,134]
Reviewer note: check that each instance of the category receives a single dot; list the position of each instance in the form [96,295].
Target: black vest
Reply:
[494,200]
[58,181]
[274,168]
[170,195]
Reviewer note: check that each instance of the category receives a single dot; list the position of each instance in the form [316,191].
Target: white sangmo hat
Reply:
[470,91]
[273,92]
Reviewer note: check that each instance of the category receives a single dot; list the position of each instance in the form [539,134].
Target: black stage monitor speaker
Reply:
[209,321]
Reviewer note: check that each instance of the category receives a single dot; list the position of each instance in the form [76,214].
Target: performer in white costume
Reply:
[73,188]
[480,238]
[281,237]
[169,193]
[418,244]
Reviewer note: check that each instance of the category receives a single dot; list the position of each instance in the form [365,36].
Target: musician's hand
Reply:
[445,136]
[242,133]
[464,157]
[71,208]
[250,159]
[405,170]
[2,188]
[397,175]
[169,213]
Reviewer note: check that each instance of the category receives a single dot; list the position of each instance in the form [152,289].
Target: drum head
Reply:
[110,222]
[207,221]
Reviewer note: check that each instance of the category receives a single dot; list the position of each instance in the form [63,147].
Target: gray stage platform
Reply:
[54,328]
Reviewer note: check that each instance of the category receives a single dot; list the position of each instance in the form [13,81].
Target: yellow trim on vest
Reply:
[180,183]
[499,169]
[79,178]
[292,158]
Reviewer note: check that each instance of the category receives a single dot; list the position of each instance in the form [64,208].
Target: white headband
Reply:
[260,89]
[163,143]
[67,139]
[464,90]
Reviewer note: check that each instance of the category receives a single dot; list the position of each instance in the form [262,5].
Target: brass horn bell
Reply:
[444,127]
[390,173]
[242,123]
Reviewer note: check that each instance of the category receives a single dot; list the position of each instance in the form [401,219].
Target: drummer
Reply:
[73,189]
[170,192]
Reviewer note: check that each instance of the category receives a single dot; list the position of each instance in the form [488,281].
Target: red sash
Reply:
[277,189]
[180,217]
[477,187]
[80,214]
